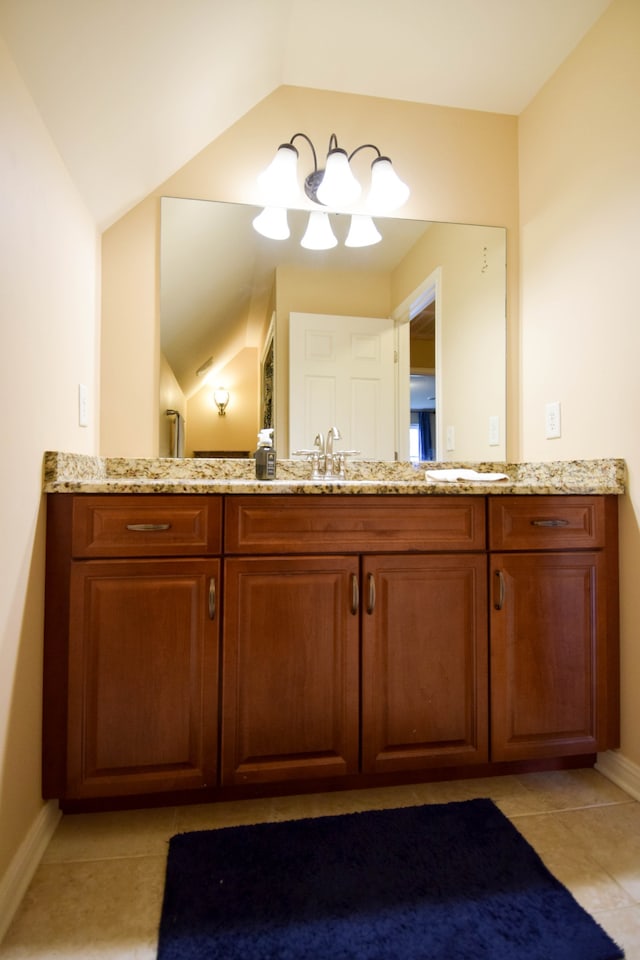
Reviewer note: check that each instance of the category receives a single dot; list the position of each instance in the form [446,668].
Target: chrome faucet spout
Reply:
[332,434]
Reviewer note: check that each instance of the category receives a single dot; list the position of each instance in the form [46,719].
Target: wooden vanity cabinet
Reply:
[554,626]
[354,628]
[203,644]
[131,645]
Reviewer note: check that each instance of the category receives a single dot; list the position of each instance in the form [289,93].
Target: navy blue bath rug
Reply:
[451,881]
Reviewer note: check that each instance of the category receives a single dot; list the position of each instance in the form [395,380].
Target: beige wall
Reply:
[470,366]
[49,345]
[130,335]
[461,164]
[580,323]
[238,429]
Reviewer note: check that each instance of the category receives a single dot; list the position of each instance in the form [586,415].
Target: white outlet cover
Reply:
[552,420]
[83,405]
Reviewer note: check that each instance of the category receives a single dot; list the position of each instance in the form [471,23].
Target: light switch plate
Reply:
[494,431]
[451,438]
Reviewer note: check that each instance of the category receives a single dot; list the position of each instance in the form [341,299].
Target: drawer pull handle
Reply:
[499,603]
[556,522]
[371,599]
[355,594]
[148,527]
[212,598]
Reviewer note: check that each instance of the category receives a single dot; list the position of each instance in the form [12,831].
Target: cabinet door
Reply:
[290,668]
[143,661]
[424,662]
[547,623]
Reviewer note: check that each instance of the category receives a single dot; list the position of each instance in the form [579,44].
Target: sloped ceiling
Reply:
[130,90]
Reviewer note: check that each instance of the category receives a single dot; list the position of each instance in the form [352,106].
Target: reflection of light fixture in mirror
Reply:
[362,232]
[333,186]
[272,223]
[221,399]
[318,235]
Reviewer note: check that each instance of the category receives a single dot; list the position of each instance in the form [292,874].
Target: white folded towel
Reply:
[451,476]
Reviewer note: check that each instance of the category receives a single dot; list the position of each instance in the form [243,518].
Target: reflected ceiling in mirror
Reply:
[217,275]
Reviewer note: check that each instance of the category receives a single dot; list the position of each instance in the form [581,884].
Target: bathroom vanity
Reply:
[209,636]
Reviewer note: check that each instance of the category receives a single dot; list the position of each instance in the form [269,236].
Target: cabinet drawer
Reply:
[294,524]
[144,526]
[546,523]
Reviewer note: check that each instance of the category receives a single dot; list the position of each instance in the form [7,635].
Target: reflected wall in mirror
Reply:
[227,295]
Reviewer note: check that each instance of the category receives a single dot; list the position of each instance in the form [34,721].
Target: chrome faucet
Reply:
[325,462]
[332,434]
[333,465]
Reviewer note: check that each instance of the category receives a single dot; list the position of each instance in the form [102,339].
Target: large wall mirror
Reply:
[235,313]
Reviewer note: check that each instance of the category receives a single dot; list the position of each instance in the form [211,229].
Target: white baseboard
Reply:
[624,773]
[13,885]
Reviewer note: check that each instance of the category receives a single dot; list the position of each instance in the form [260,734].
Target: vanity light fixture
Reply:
[334,187]
[221,399]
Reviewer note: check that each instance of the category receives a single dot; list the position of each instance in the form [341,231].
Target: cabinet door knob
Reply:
[499,602]
[355,594]
[371,593]
[212,598]
[148,527]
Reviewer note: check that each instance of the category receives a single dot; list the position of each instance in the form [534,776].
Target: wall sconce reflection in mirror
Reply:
[221,399]
[333,187]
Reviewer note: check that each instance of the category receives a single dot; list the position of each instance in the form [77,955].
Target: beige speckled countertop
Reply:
[79,473]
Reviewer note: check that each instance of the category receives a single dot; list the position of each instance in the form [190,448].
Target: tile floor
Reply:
[98,891]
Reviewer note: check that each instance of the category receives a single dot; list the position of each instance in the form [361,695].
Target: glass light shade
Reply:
[339,187]
[318,235]
[362,232]
[279,182]
[388,192]
[221,399]
[272,223]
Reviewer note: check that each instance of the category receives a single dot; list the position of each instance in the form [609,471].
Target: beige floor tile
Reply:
[290,807]
[571,789]
[210,816]
[507,792]
[340,802]
[611,836]
[99,836]
[89,910]
[623,926]
[567,858]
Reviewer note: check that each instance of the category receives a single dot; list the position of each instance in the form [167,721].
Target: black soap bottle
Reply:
[265,456]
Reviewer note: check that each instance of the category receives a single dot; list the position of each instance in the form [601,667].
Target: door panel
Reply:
[341,372]
[424,689]
[290,668]
[143,663]
[545,624]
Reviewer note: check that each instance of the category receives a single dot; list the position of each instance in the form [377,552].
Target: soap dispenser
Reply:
[265,456]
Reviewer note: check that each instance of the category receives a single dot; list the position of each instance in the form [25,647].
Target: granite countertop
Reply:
[79,473]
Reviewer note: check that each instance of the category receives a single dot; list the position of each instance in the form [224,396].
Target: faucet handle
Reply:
[304,453]
[341,459]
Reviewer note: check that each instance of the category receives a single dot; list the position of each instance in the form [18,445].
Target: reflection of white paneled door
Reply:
[341,373]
